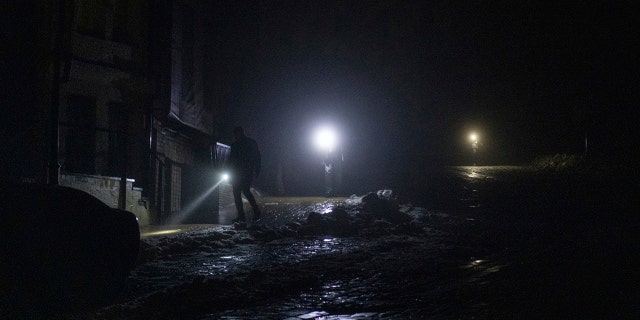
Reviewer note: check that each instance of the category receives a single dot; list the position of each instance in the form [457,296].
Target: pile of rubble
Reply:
[371,215]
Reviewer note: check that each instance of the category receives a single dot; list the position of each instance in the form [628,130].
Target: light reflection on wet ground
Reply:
[282,210]
[183,268]
[489,250]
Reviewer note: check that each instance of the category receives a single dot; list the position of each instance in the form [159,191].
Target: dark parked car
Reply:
[62,249]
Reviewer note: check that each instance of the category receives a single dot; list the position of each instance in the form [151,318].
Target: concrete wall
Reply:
[106,189]
[174,146]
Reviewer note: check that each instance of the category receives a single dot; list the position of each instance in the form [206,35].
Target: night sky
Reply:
[405,82]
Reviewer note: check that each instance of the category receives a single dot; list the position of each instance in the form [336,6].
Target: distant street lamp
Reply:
[326,139]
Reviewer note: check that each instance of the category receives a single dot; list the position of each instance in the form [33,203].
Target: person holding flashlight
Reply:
[245,164]
[327,141]
[329,163]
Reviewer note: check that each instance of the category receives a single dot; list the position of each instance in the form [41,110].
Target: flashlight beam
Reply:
[189,209]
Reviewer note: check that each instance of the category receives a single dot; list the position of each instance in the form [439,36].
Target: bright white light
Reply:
[473,137]
[326,139]
[225,177]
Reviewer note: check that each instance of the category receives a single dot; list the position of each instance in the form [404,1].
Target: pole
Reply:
[53,166]
[122,195]
[586,144]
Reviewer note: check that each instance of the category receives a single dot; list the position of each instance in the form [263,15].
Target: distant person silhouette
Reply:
[329,163]
[244,164]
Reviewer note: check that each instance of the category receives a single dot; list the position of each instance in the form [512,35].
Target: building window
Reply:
[176,188]
[80,135]
[117,131]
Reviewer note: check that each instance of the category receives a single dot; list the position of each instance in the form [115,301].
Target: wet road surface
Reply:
[496,242]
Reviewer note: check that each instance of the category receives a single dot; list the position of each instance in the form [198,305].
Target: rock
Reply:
[378,207]
[398,217]
[409,228]
[293,225]
[385,194]
[314,218]
[316,224]
[342,228]
[240,226]
[354,200]
[147,252]
[288,232]
[229,232]
[309,230]
[340,214]
[245,240]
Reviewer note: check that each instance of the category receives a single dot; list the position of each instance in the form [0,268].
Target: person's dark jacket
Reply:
[244,160]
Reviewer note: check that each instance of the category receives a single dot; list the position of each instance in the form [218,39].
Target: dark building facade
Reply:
[183,134]
[130,112]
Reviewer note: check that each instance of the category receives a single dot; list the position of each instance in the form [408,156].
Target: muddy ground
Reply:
[479,242]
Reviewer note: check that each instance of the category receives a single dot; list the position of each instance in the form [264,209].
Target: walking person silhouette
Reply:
[245,165]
